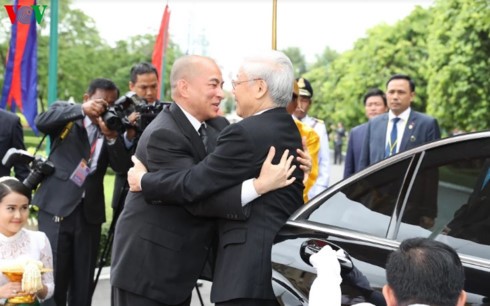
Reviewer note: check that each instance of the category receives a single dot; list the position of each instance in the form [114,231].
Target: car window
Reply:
[365,205]
[449,200]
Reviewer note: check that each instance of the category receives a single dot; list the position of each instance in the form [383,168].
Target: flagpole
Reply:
[164,58]
[53,55]
[274,24]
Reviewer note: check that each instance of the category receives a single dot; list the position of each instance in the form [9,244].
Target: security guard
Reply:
[301,112]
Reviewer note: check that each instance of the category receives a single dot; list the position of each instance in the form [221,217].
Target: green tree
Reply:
[385,50]
[459,64]
[298,60]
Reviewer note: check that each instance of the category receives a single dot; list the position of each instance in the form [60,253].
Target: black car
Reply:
[437,190]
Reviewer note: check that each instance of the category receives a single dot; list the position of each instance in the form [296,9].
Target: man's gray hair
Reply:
[276,69]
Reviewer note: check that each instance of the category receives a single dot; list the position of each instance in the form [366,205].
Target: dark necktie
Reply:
[392,144]
[204,136]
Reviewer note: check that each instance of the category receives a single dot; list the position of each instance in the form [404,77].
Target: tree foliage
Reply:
[459,64]
[445,49]
[384,51]
[298,60]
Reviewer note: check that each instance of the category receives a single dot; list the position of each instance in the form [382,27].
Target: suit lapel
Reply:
[409,132]
[188,130]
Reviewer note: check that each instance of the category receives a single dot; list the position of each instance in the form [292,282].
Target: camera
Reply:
[40,167]
[112,120]
[147,113]
[130,103]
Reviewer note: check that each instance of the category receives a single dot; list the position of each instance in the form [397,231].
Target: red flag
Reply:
[20,82]
[158,57]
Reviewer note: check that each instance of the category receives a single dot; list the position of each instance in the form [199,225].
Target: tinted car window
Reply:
[365,205]
[449,188]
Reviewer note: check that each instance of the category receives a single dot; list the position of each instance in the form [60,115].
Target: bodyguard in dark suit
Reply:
[374,104]
[412,128]
[11,136]
[71,201]
[262,89]
[160,250]
[399,130]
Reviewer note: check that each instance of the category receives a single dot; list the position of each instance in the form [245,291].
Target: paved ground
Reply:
[102,292]
[102,295]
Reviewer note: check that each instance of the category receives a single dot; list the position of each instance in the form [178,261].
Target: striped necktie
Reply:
[392,144]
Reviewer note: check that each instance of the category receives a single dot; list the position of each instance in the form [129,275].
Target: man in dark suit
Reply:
[144,83]
[412,128]
[11,136]
[399,130]
[71,201]
[374,104]
[242,274]
[160,250]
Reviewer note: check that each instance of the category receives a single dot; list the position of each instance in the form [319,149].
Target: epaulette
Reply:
[316,121]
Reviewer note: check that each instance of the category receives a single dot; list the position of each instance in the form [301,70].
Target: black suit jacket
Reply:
[11,136]
[243,262]
[159,251]
[57,194]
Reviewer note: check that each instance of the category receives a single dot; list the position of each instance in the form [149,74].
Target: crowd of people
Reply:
[194,197]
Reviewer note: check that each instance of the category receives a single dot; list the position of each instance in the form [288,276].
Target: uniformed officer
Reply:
[301,112]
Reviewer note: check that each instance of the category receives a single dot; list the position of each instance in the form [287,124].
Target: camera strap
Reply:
[62,136]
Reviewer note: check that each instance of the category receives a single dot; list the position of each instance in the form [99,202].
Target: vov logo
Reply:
[23,13]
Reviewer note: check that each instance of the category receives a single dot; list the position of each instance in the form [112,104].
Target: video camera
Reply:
[116,117]
[40,167]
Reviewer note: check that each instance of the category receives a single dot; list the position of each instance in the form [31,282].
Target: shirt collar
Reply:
[196,124]
[87,122]
[262,111]
[403,116]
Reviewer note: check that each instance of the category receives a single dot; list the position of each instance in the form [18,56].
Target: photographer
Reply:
[71,200]
[144,83]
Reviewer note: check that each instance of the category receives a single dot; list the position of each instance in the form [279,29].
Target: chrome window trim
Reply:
[395,216]
[344,233]
[468,261]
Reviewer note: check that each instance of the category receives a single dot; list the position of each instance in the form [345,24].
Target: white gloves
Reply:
[325,290]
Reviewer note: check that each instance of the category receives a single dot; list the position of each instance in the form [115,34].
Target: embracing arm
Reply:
[232,203]
[230,164]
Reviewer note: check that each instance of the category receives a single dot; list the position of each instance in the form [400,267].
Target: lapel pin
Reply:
[410,126]
[412,138]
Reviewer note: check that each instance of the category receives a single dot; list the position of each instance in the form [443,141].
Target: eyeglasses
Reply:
[235,83]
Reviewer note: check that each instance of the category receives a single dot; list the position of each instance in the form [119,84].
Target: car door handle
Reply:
[312,246]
